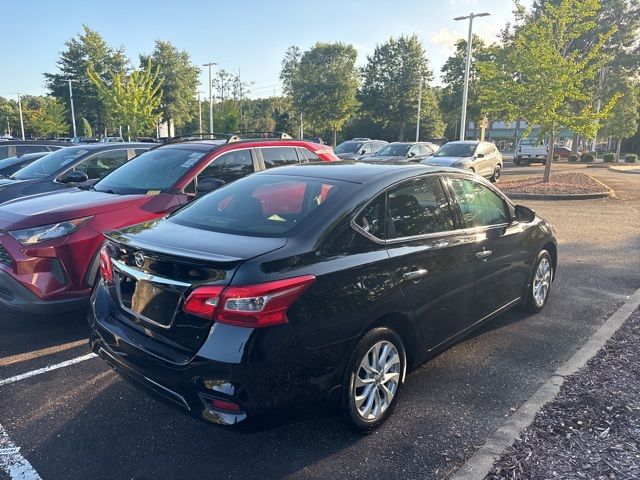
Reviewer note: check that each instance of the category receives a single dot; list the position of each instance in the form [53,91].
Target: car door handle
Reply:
[415,274]
[484,254]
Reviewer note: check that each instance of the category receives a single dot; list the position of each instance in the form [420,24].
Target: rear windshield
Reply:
[151,172]
[456,150]
[263,205]
[348,147]
[393,150]
[51,164]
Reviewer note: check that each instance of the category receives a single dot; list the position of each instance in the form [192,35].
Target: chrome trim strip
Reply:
[140,275]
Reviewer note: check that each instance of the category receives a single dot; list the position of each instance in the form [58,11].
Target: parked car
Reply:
[49,243]
[111,140]
[403,152]
[357,148]
[562,152]
[18,148]
[313,281]
[530,149]
[70,167]
[482,158]
[83,140]
[11,165]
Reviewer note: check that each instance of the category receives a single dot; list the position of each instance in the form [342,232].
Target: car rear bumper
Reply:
[17,298]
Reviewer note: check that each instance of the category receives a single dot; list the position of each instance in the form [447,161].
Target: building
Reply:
[506,134]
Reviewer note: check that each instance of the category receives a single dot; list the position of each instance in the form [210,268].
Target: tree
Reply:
[453,78]
[87,131]
[391,86]
[625,115]
[328,99]
[536,76]
[133,100]
[179,79]
[89,48]
[9,116]
[44,116]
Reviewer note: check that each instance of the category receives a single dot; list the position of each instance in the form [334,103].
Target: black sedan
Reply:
[11,165]
[68,167]
[313,281]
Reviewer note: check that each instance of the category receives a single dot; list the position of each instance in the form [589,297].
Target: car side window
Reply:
[140,150]
[373,218]
[366,148]
[425,150]
[103,163]
[309,155]
[479,205]
[279,156]
[419,207]
[4,151]
[229,166]
[24,149]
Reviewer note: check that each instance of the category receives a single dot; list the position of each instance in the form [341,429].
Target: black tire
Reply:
[497,172]
[517,160]
[531,303]
[349,411]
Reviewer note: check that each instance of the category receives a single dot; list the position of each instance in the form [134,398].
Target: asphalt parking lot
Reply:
[83,422]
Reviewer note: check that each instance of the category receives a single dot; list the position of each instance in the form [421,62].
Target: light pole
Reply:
[73,115]
[601,82]
[20,109]
[419,105]
[199,112]
[210,97]
[465,88]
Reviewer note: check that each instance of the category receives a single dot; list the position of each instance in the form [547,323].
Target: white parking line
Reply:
[23,357]
[49,368]
[12,462]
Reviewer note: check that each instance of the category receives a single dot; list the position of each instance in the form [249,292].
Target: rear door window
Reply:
[309,155]
[230,166]
[419,207]
[279,156]
[372,219]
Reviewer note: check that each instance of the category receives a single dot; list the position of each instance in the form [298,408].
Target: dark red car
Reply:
[49,243]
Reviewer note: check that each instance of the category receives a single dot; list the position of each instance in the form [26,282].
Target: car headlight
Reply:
[31,236]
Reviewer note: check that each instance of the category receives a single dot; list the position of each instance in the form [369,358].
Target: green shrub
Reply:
[573,158]
[556,157]
[588,156]
[609,157]
[631,158]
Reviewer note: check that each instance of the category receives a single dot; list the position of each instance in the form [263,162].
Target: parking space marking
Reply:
[11,460]
[49,368]
[23,357]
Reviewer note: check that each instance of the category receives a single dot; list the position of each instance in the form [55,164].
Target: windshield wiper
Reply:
[108,190]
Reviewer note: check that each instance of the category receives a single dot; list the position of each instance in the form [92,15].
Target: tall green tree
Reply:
[625,115]
[87,131]
[9,117]
[536,75]
[133,100]
[328,99]
[44,116]
[88,48]
[391,86]
[179,78]
[453,78]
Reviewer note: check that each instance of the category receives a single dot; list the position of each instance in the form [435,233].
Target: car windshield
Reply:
[50,164]
[151,172]
[456,150]
[348,147]
[393,150]
[263,205]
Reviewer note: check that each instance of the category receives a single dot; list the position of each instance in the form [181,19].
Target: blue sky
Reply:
[248,35]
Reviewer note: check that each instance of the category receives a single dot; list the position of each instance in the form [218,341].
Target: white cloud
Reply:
[445,38]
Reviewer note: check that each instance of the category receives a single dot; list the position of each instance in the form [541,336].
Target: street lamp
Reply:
[73,115]
[20,109]
[465,89]
[210,97]
[199,112]
[419,105]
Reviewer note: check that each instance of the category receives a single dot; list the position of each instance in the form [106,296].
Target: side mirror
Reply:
[74,177]
[362,152]
[480,155]
[207,185]
[525,214]
[411,154]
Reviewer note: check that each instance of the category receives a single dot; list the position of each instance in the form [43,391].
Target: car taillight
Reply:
[258,305]
[106,269]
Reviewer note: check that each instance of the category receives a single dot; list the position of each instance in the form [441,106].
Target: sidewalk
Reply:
[592,428]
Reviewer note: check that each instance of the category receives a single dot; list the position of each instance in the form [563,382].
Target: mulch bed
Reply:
[592,429]
[560,184]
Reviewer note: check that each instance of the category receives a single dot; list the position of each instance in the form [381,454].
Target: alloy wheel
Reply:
[377,380]
[542,282]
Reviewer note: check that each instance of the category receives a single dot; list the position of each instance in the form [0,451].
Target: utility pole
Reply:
[73,115]
[419,105]
[301,128]
[465,89]
[199,112]
[210,97]
[20,108]
[594,143]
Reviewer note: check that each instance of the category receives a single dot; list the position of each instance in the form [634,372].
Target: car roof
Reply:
[108,146]
[355,172]
[465,142]
[34,142]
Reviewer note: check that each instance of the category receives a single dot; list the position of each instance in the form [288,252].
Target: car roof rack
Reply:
[259,135]
[228,137]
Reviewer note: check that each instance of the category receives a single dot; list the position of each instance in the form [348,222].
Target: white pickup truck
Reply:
[530,149]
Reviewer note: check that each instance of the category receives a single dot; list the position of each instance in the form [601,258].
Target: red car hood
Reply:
[60,206]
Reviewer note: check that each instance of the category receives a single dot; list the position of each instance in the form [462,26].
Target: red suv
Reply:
[49,243]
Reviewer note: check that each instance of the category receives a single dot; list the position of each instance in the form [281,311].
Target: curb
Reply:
[478,466]
[617,169]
